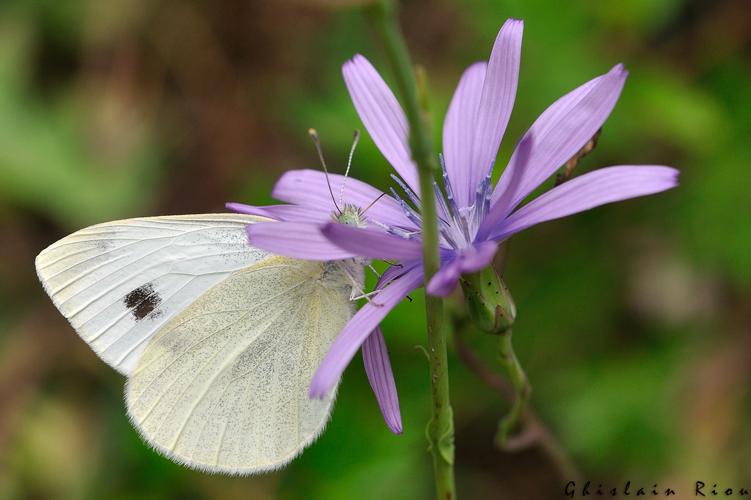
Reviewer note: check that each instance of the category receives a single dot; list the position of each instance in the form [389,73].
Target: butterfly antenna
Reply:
[355,140]
[317,142]
[373,203]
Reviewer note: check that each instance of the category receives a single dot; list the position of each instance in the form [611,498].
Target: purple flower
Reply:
[473,215]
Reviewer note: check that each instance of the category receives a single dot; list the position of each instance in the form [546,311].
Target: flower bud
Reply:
[489,301]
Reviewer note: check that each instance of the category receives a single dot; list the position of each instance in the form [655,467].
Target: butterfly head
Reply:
[351,215]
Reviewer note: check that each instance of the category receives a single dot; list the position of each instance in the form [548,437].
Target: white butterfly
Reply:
[219,340]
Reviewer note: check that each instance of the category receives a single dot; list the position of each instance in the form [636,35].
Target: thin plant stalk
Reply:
[440,431]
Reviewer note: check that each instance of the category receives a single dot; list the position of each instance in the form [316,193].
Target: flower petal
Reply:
[290,213]
[498,210]
[459,131]
[395,271]
[497,100]
[469,260]
[382,116]
[242,208]
[299,240]
[556,136]
[359,328]
[372,243]
[606,185]
[375,356]
[308,188]
[444,281]
[478,257]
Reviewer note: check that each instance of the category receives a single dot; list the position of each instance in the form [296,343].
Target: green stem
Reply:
[440,430]
[522,389]
[535,431]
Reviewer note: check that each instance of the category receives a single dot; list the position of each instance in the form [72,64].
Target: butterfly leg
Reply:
[370,266]
[364,295]
[357,287]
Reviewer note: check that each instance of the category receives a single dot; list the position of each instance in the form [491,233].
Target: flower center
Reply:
[458,225]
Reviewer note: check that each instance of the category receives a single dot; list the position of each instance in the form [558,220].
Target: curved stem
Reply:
[440,430]
[522,389]
[536,432]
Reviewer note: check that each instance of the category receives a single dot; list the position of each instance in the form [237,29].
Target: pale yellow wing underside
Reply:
[223,387]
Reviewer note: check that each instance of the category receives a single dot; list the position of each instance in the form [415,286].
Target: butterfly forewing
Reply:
[119,282]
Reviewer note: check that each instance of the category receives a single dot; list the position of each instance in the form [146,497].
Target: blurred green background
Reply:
[634,319]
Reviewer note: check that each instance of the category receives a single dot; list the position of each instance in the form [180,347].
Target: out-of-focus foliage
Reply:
[633,319]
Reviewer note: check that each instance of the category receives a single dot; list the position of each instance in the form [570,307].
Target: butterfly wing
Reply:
[223,387]
[120,282]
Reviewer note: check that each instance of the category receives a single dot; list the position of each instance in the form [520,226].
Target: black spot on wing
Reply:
[143,301]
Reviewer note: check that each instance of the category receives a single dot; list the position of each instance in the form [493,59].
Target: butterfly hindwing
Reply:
[223,386]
